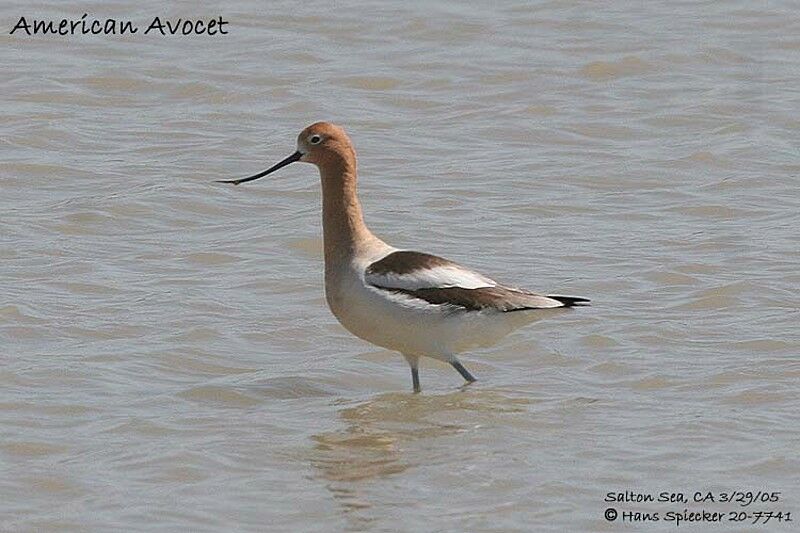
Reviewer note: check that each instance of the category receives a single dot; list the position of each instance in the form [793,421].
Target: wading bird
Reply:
[418,304]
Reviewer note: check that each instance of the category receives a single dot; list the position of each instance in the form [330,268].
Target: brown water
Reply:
[168,362]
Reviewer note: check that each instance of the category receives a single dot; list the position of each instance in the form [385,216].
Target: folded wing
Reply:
[439,281]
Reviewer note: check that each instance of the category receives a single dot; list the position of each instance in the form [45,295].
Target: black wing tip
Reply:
[570,301]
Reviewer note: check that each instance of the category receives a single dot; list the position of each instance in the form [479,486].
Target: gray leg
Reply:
[413,362]
[463,371]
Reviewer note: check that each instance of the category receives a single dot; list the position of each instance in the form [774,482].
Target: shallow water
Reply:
[168,362]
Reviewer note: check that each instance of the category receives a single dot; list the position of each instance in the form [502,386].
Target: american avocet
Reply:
[411,302]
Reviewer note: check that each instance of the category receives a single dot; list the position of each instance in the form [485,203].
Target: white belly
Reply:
[412,326]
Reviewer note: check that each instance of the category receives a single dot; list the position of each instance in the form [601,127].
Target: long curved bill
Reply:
[291,159]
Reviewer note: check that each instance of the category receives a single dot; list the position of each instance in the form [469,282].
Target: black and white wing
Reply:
[439,281]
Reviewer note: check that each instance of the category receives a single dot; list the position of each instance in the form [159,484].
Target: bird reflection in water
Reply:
[384,437]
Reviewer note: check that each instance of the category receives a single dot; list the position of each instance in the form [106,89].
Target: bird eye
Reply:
[315,139]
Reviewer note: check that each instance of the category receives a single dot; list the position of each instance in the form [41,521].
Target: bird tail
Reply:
[570,301]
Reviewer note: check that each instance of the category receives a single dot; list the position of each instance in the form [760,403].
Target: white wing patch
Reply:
[437,277]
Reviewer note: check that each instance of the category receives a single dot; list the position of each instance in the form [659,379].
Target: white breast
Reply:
[410,325]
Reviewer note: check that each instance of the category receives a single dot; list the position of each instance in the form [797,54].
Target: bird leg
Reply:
[463,371]
[413,362]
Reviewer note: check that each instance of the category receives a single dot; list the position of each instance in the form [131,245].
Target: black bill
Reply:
[291,159]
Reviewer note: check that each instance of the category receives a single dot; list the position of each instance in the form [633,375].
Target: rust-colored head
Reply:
[322,144]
